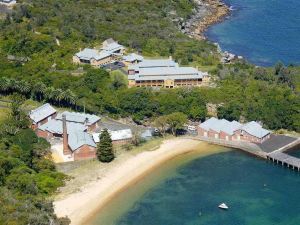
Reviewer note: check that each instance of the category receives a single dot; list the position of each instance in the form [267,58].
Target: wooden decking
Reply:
[285,160]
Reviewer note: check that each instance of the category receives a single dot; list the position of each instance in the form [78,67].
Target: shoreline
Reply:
[82,205]
[207,13]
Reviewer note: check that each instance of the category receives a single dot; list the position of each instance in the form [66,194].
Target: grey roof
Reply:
[77,139]
[150,63]
[109,41]
[112,47]
[255,129]
[79,117]
[41,112]
[221,125]
[89,54]
[56,127]
[167,73]
[228,127]
[133,57]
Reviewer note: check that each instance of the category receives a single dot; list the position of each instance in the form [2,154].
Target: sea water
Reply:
[263,31]
[256,191]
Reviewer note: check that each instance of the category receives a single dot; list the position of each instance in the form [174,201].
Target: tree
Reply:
[105,149]
[176,121]
[161,124]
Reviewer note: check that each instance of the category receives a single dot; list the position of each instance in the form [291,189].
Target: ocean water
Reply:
[257,192]
[263,31]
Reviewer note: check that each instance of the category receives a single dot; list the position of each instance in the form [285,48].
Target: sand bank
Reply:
[81,205]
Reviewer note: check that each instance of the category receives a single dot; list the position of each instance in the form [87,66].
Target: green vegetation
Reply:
[27,174]
[243,92]
[105,151]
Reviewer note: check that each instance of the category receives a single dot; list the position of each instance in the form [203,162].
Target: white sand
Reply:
[80,205]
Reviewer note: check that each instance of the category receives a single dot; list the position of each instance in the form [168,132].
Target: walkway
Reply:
[248,147]
[285,159]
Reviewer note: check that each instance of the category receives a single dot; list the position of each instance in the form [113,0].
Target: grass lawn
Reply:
[3,114]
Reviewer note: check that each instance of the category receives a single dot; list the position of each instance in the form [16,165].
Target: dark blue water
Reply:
[257,192]
[295,151]
[263,31]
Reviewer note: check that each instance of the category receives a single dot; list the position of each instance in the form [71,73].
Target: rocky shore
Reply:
[206,13]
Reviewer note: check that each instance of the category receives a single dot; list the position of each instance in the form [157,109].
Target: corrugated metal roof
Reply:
[79,117]
[251,128]
[41,112]
[133,57]
[149,63]
[112,47]
[255,129]
[78,139]
[165,73]
[88,54]
[56,127]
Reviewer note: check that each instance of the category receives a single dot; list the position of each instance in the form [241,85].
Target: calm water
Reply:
[263,31]
[257,192]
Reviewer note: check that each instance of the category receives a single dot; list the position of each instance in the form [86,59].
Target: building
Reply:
[118,137]
[88,120]
[151,63]
[233,131]
[110,45]
[93,57]
[54,128]
[164,73]
[41,115]
[8,2]
[109,52]
[132,59]
[81,146]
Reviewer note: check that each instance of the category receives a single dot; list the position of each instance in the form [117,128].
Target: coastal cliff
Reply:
[206,13]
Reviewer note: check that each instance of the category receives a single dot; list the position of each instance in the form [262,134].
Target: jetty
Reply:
[285,160]
[274,149]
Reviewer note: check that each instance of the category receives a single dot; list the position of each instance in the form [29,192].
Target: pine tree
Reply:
[105,149]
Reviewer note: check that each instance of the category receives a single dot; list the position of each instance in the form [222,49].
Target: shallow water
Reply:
[256,191]
[263,31]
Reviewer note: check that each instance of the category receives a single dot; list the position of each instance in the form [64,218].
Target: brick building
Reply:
[41,115]
[88,120]
[164,73]
[233,131]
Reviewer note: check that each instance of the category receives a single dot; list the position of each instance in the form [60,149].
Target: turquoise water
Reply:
[257,192]
[263,31]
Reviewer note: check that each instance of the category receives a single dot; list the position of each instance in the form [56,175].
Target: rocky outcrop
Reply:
[206,13]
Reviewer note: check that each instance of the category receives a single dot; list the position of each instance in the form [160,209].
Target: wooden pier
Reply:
[284,159]
[277,154]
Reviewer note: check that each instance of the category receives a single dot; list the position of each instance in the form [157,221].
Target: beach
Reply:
[91,197]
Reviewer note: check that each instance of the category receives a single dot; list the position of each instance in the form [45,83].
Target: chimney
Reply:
[66,150]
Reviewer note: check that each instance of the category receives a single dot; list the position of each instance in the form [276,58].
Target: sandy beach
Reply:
[80,205]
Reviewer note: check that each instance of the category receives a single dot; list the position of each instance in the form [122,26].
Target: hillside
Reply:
[35,28]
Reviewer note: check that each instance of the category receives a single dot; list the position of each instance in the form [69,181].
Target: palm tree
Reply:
[39,90]
[4,85]
[23,87]
[49,96]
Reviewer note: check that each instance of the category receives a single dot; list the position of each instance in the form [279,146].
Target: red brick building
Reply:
[233,131]
[41,115]
[88,120]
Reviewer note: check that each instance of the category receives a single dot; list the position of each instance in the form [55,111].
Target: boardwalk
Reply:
[285,160]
